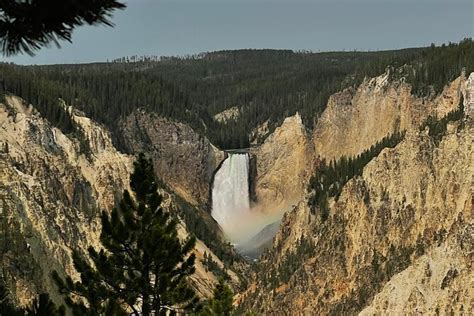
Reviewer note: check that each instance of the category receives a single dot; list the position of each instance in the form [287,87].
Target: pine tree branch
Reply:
[26,26]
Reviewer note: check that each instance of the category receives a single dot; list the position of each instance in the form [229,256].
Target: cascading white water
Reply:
[230,193]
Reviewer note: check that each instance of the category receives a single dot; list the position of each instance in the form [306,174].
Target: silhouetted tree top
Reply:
[26,26]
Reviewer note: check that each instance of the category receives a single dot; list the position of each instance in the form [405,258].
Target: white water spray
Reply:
[230,194]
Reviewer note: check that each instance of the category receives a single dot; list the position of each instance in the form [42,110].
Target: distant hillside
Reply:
[266,85]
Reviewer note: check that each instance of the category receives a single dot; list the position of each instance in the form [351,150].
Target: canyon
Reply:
[52,193]
[398,239]
[379,250]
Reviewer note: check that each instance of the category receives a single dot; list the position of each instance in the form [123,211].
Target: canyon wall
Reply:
[51,195]
[53,188]
[355,119]
[381,248]
[182,158]
[282,164]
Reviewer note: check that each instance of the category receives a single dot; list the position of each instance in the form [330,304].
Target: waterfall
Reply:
[230,193]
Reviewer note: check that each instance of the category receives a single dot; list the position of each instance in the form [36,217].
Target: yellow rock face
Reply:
[51,194]
[399,239]
[282,163]
[51,197]
[354,120]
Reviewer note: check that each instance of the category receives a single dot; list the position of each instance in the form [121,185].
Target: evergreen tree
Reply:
[144,266]
[437,127]
[329,179]
[26,26]
[221,303]
[265,85]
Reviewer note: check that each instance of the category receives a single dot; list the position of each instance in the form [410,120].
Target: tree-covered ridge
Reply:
[263,84]
[103,95]
[436,66]
[330,178]
[266,85]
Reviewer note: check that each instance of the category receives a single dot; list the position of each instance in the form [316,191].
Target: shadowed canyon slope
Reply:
[183,159]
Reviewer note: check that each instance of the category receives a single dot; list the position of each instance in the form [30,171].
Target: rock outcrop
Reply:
[230,114]
[382,246]
[51,194]
[183,159]
[282,164]
[469,96]
[53,188]
[355,119]
[439,282]
[258,134]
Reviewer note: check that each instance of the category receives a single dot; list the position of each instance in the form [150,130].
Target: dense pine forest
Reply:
[265,85]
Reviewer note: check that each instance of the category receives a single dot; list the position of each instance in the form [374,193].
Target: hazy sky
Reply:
[156,27]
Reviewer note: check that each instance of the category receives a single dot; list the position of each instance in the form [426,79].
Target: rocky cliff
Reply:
[355,119]
[282,164]
[51,194]
[398,239]
[183,159]
[53,188]
[381,248]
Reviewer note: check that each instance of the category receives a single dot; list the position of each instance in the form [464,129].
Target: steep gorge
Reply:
[389,225]
[183,159]
[53,188]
